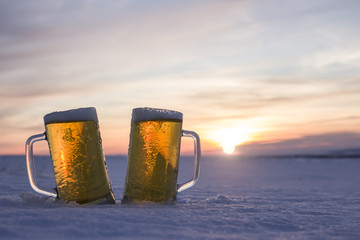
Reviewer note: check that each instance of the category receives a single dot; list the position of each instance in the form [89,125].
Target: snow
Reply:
[80,114]
[235,198]
[146,114]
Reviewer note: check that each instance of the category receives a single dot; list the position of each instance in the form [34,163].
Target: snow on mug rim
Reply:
[79,114]
[147,114]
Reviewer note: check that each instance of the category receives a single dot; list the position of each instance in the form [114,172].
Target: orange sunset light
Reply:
[229,138]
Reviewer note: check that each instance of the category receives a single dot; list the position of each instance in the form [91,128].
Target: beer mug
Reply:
[153,158]
[76,152]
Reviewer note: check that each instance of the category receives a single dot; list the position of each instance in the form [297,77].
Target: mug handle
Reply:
[31,167]
[197,155]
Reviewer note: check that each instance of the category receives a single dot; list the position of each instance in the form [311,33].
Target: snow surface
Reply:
[235,198]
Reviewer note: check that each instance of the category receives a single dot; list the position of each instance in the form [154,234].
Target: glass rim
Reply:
[72,115]
[147,114]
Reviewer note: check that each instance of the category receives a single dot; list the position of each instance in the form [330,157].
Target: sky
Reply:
[253,77]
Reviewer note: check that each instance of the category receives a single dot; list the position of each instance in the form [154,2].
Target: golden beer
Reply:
[153,160]
[78,161]
[76,152]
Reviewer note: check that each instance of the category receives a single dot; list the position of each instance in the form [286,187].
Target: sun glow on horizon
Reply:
[229,148]
[229,138]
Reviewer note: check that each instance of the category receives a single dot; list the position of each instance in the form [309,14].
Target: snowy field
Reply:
[234,199]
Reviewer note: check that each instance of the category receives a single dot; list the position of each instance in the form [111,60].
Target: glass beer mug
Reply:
[153,160]
[79,165]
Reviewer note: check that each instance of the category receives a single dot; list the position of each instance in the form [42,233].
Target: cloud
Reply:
[261,94]
[5,112]
[219,62]
[52,46]
[312,144]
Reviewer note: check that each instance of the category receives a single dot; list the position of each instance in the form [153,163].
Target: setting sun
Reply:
[228,148]
[229,138]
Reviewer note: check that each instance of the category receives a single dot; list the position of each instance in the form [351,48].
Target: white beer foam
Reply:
[80,114]
[147,114]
